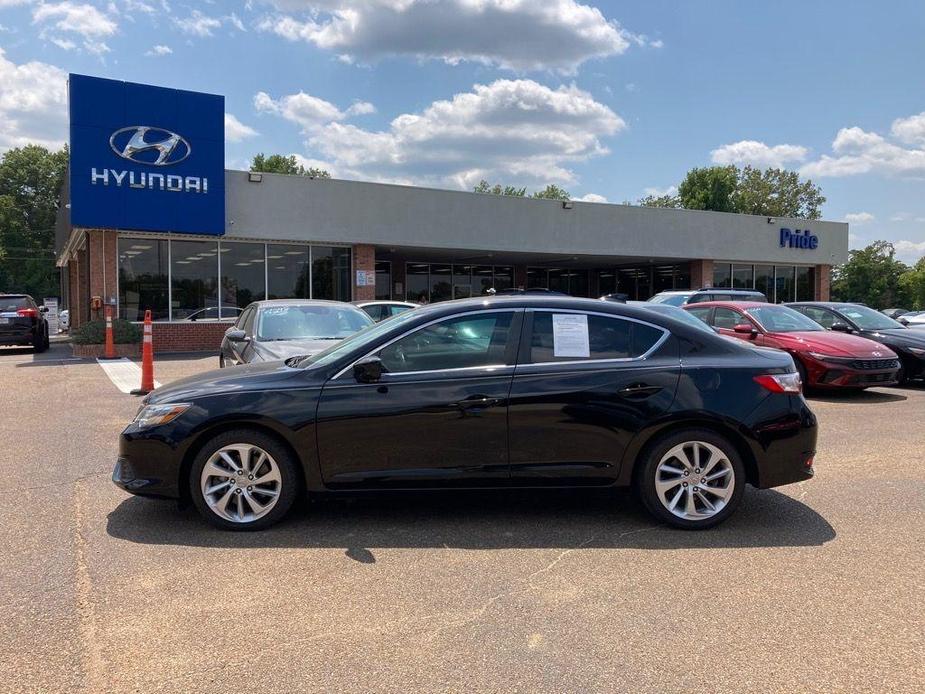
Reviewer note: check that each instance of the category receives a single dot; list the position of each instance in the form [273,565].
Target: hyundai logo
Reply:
[143,144]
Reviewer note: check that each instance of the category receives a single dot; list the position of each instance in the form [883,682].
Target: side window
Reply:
[700,298]
[395,310]
[824,318]
[608,338]
[467,341]
[249,321]
[701,313]
[374,311]
[242,318]
[727,318]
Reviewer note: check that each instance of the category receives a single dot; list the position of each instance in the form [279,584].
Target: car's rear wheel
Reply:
[692,479]
[244,480]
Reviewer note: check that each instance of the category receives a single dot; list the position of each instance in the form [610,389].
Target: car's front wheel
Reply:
[244,480]
[691,479]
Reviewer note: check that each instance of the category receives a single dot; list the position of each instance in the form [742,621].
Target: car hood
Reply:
[273,351]
[836,344]
[901,337]
[260,376]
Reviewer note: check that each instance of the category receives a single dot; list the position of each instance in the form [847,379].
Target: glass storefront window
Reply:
[504,277]
[418,282]
[606,282]
[742,277]
[384,280]
[462,281]
[663,277]
[682,278]
[764,280]
[243,279]
[482,279]
[804,284]
[193,277]
[643,284]
[143,279]
[722,275]
[537,277]
[331,273]
[287,271]
[578,282]
[441,282]
[784,283]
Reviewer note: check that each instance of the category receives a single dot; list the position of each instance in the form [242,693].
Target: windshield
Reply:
[670,299]
[781,319]
[679,314]
[868,319]
[309,322]
[355,342]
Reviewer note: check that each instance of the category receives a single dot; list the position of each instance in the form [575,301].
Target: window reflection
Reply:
[193,277]
[287,271]
[143,279]
[243,279]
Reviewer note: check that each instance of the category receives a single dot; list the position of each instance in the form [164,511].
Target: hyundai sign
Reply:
[146,158]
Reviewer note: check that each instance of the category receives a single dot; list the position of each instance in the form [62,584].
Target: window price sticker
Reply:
[570,335]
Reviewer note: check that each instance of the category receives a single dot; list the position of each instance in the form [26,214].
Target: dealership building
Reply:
[151,220]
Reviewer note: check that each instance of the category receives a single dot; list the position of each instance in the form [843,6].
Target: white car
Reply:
[913,319]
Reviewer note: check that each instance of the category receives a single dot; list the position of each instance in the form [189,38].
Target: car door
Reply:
[239,350]
[584,385]
[725,319]
[436,417]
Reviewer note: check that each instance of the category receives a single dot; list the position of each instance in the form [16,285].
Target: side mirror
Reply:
[840,327]
[745,329]
[902,320]
[236,335]
[368,371]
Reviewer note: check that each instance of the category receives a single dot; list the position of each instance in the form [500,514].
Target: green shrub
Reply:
[94,333]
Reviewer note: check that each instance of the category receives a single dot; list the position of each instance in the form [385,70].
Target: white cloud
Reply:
[33,104]
[310,163]
[900,217]
[910,251]
[660,192]
[859,218]
[513,34]
[235,130]
[758,154]
[516,131]
[77,18]
[360,108]
[63,44]
[591,197]
[159,49]
[910,130]
[197,24]
[857,151]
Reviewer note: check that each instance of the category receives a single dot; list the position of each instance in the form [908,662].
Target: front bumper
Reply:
[147,467]
[825,374]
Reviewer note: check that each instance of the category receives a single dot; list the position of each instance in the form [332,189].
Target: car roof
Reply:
[299,302]
[825,304]
[731,304]
[390,302]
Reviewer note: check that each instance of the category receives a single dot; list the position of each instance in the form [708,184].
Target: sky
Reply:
[612,101]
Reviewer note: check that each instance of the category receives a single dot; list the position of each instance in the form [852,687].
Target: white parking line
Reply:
[125,374]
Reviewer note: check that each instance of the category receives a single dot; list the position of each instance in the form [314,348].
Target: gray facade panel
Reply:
[293,207]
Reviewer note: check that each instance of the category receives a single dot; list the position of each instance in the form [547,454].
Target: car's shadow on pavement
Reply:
[479,520]
[864,397]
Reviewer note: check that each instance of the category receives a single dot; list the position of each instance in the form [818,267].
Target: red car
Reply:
[824,359]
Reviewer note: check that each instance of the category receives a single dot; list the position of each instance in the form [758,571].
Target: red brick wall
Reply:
[822,280]
[701,273]
[364,258]
[188,337]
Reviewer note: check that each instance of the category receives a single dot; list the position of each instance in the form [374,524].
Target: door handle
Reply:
[639,391]
[476,402]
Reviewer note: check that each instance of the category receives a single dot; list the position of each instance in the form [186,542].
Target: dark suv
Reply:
[22,322]
[682,297]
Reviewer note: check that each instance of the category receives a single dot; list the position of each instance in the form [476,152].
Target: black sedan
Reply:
[22,322]
[518,391]
[283,328]
[874,325]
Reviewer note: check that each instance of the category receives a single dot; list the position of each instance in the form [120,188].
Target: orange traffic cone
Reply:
[110,343]
[147,358]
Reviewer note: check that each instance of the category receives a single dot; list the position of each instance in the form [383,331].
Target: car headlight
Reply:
[156,415]
[831,358]
[917,351]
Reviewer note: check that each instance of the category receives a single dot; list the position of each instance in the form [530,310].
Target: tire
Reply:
[223,507]
[40,342]
[658,462]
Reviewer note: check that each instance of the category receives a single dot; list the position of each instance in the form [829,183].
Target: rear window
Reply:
[14,303]
[608,338]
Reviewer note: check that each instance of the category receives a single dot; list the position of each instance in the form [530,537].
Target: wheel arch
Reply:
[205,435]
[645,441]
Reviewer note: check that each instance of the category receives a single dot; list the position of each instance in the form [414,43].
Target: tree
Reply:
[552,192]
[777,193]
[31,178]
[485,187]
[912,283]
[872,276]
[280,164]
[709,188]
[672,201]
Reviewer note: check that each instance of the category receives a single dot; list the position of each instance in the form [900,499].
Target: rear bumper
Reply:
[785,444]
[17,338]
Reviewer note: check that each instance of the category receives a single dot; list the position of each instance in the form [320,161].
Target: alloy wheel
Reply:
[241,482]
[694,480]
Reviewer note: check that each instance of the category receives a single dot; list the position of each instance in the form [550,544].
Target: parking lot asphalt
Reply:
[811,587]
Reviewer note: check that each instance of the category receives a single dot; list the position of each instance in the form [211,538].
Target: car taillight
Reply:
[780,383]
[27,313]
